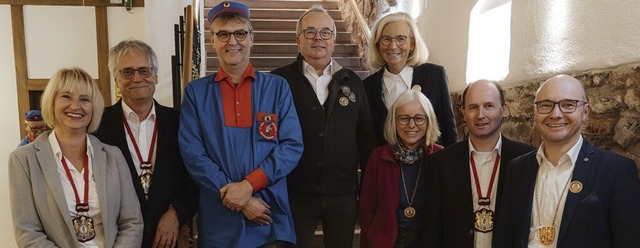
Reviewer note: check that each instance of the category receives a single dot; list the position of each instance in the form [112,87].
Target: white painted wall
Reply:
[550,36]
[547,37]
[445,28]
[65,36]
[8,125]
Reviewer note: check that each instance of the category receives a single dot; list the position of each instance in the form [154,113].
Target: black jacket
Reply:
[337,136]
[448,219]
[432,79]
[171,184]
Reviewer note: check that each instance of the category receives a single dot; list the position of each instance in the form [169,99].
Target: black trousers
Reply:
[337,213]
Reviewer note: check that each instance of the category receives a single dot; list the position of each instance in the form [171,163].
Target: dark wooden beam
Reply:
[97,3]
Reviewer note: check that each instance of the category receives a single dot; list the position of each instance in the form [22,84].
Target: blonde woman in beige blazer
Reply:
[43,207]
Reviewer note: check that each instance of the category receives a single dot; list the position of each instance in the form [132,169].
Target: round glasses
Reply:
[37,128]
[129,73]
[418,119]
[310,33]
[566,106]
[400,40]
[240,35]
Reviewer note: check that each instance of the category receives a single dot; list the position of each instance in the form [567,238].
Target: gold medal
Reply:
[484,220]
[575,187]
[547,234]
[343,101]
[409,212]
[84,228]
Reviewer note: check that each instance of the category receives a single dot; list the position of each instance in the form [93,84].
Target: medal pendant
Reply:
[145,181]
[83,226]
[484,220]
[547,234]
[409,212]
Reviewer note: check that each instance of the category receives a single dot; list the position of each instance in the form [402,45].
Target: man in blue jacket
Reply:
[240,137]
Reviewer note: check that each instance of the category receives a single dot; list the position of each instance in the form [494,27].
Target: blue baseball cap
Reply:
[33,115]
[228,7]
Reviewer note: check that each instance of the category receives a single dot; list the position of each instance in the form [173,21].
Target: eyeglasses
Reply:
[566,106]
[240,35]
[400,40]
[325,34]
[129,73]
[37,128]
[418,119]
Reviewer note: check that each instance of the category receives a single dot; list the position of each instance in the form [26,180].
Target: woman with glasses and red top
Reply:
[397,48]
[68,189]
[393,188]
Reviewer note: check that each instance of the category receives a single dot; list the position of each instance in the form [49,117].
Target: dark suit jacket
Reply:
[171,184]
[433,81]
[603,214]
[448,221]
[336,137]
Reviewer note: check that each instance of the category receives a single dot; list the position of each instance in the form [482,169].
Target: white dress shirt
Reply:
[320,84]
[395,84]
[485,162]
[78,180]
[551,192]
[143,133]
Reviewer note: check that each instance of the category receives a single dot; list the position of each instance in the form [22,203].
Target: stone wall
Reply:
[614,121]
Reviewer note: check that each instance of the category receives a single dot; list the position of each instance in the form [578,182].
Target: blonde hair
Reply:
[390,125]
[72,79]
[418,56]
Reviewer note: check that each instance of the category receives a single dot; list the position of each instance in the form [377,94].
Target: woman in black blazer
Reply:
[397,48]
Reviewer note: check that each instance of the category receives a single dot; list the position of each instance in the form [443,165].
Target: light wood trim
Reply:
[102,37]
[187,55]
[100,3]
[20,60]
[36,84]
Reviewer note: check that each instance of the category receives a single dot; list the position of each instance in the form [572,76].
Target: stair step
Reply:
[285,36]
[298,4]
[290,49]
[280,61]
[279,25]
[293,14]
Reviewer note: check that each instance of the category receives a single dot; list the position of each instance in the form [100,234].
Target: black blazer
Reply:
[603,214]
[433,81]
[337,136]
[171,184]
[448,221]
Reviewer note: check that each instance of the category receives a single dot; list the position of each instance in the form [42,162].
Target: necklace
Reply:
[82,223]
[410,211]
[547,234]
[484,214]
[145,166]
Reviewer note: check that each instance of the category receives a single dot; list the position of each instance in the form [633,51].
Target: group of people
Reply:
[265,157]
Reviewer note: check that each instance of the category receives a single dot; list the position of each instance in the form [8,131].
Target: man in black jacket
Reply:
[465,180]
[337,131]
[147,134]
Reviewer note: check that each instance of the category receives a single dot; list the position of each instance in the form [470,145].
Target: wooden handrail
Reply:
[363,23]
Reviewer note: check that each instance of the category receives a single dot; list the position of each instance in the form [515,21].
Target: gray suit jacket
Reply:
[39,209]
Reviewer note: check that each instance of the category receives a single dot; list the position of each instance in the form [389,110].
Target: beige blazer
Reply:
[39,209]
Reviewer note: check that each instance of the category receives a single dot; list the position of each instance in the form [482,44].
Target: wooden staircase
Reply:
[274,29]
